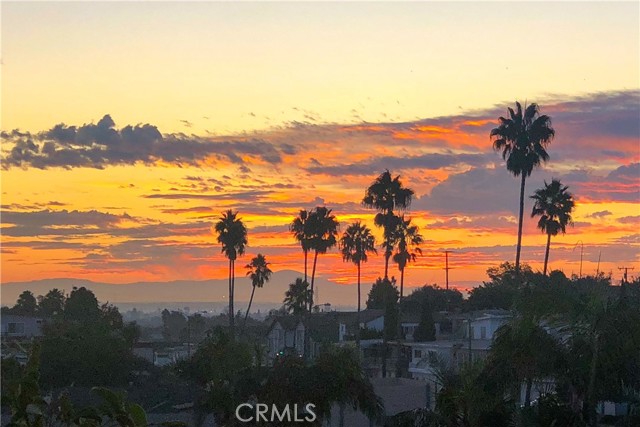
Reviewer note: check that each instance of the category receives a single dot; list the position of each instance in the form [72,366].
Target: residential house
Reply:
[21,327]
[469,341]
[287,334]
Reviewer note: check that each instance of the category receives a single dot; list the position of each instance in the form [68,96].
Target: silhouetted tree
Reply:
[259,273]
[406,238]
[324,230]
[386,194]
[522,139]
[426,330]
[82,306]
[26,305]
[553,204]
[296,299]
[301,229]
[52,304]
[232,235]
[356,243]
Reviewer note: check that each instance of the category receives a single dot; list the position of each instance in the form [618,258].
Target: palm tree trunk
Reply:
[306,255]
[313,278]
[231,297]
[387,255]
[244,325]
[358,315]
[520,220]
[399,359]
[546,254]
[400,308]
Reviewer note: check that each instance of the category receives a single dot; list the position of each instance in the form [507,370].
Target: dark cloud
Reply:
[599,214]
[477,191]
[635,219]
[424,161]
[47,218]
[52,245]
[69,224]
[100,145]
[629,173]
[242,195]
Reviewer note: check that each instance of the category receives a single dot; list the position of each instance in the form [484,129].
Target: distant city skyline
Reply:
[129,127]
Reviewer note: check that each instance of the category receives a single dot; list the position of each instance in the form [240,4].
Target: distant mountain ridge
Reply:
[212,290]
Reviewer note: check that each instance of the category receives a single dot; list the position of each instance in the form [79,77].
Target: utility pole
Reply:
[624,277]
[598,269]
[446,267]
[581,252]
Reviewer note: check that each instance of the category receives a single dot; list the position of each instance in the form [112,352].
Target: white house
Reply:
[469,343]
[14,326]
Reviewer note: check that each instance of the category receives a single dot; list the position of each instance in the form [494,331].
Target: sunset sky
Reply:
[129,127]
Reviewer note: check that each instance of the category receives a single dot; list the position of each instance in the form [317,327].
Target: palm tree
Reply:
[553,204]
[385,195]
[523,351]
[324,230]
[232,235]
[522,138]
[260,273]
[300,228]
[356,242]
[408,239]
[297,298]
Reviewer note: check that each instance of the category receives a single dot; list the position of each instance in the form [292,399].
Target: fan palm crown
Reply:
[554,205]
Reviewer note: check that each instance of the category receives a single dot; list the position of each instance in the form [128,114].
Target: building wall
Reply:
[21,326]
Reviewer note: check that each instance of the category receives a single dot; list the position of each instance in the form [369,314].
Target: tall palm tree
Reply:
[407,239]
[324,231]
[386,194]
[260,273]
[297,298]
[232,235]
[356,242]
[553,204]
[522,139]
[300,227]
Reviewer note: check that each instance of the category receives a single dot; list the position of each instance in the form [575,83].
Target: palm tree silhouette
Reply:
[298,297]
[300,228]
[324,230]
[408,239]
[522,139]
[386,194]
[232,235]
[553,204]
[260,273]
[356,242]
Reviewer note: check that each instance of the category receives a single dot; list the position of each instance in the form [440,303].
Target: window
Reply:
[15,328]
[417,354]
[483,332]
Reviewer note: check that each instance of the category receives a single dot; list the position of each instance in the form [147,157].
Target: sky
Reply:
[127,128]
